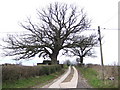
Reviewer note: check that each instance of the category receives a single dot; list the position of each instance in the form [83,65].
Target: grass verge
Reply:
[33,81]
[93,79]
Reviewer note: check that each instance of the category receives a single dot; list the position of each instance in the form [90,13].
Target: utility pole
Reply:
[101,52]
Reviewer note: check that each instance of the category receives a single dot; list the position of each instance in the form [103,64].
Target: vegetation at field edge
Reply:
[31,82]
[93,78]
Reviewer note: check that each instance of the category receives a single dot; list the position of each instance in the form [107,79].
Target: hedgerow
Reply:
[13,73]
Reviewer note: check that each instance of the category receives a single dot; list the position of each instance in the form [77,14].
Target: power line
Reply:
[85,29]
[15,32]
[104,29]
[110,29]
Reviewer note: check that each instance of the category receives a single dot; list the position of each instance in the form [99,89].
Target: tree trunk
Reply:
[54,55]
[81,60]
[54,59]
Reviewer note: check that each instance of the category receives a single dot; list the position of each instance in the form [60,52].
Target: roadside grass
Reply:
[33,81]
[94,80]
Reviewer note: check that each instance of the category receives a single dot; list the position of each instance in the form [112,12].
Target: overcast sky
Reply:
[103,13]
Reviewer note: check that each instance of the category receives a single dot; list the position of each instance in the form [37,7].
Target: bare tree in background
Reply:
[55,30]
[85,47]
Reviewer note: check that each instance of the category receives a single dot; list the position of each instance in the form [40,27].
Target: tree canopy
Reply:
[58,27]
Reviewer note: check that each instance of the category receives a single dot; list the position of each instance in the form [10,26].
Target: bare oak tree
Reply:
[85,47]
[55,30]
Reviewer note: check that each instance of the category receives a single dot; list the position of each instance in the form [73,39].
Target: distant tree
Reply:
[67,62]
[85,48]
[55,30]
